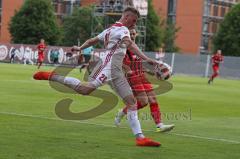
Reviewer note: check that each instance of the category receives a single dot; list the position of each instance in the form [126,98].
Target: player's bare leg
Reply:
[71,82]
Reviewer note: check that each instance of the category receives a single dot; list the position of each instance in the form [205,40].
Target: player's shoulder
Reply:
[125,28]
[124,31]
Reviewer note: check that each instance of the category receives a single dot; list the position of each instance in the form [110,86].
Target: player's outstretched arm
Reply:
[134,48]
[86,44]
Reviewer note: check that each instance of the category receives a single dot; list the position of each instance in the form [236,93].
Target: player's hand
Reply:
[75,48]
[152,62]
[129,73]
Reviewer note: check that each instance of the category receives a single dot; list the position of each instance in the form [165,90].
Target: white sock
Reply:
[134,123]
[68,81]
[71,82]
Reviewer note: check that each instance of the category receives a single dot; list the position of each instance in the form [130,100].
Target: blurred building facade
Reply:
[64,7]
[8,8]
[198,20]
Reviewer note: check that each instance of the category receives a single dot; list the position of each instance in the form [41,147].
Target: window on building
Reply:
[170,6]
[55,6]
[223,11]
[205,28]
[215,11]
[205,43]
[214,27]
[67,7]
[172,11]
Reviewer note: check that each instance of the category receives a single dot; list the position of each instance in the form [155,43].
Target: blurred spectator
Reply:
[87,53]
[13,53]
[54,55]
[160,55]
[27,56]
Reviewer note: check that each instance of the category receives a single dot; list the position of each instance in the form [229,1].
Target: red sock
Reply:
[139,106]
[155,112]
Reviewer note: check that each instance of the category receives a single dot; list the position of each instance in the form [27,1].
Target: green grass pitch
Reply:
[207,119]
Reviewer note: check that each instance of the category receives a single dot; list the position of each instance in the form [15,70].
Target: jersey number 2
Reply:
[103,78]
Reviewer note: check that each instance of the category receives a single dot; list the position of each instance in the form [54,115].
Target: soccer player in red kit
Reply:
[216,60]
[142,89]
[41,48]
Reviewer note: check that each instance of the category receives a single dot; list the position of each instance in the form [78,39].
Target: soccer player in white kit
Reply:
[116,40]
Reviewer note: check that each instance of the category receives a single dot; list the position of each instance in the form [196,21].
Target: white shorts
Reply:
[113,76]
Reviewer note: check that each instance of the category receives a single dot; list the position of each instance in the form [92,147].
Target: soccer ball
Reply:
[163,71]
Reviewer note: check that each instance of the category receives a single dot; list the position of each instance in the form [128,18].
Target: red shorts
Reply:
[215,68]
[40,57]
[140,84]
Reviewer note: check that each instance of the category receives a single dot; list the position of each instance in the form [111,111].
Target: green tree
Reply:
[227,37]
[77,26]
[153,32]
[35,20]
[169,37]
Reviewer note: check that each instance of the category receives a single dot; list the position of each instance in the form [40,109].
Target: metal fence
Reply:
[200,65]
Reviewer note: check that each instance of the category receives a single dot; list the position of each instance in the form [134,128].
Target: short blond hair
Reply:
[133,10]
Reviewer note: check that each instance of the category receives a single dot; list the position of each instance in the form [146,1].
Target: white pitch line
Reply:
[112,126]
[207,138]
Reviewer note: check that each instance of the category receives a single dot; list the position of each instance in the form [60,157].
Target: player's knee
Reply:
[84,91]
[130,101]
[143,102]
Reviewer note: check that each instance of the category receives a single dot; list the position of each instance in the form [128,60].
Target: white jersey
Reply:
[112,38]
[109,68]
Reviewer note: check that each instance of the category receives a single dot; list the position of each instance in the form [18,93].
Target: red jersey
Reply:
[137,79]
[216,59]
[41,47]
[134,62]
